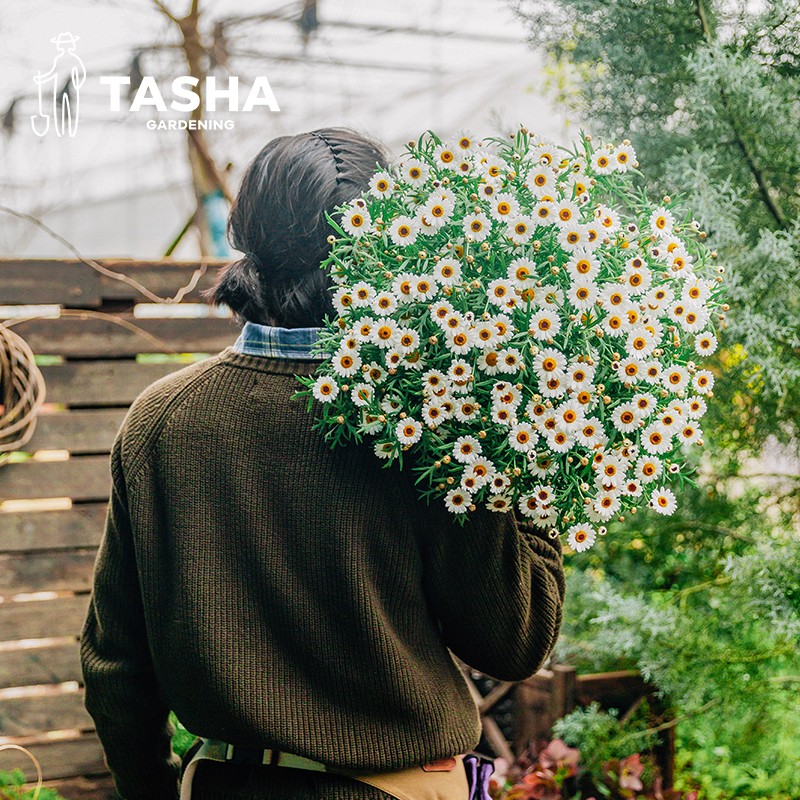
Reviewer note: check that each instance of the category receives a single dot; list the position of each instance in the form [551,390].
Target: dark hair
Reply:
[278,221]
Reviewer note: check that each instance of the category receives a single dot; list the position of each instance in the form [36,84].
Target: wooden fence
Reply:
[49,538]
[46,556]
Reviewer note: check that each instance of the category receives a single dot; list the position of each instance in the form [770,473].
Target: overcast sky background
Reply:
[120,189]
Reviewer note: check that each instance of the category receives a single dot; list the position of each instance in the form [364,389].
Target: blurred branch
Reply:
[165,11]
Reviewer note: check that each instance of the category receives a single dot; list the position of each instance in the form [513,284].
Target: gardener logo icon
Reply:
[59,90]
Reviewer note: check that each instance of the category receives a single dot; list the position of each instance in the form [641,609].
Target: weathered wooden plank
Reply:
[77,285]
[31,715]
[88,337]
[80,431]
[81,478]
[97,787]
[101,383]
[59,758]
[33,665]
[49,571]
[40,619]
[79,526]
[45,281]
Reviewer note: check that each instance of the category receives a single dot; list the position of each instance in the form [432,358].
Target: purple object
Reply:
[479,770]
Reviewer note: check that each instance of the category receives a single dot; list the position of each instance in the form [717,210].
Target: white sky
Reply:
[118,188]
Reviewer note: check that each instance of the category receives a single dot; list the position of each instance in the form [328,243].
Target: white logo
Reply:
[59,90]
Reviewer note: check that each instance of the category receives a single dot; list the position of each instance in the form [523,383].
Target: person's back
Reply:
[277,593]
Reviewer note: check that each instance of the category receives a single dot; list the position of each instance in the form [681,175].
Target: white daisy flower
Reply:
[362,394]
[648,469]
[663,501]
[637,281]
[590,432]
[459,341]
[393,359]
[703,381]
[478,226]
[549,362]
[346,363]
[675,378]
[500,503]
[457,501]
[623,157]
[414,171]
[625,418]
[554,386]
[521,271]
[444,156]
[566,213]
[645,404]
[606,504]
[488,363]
[447,271]
[509,360]
[356,221]
[404,230]
[601,162]
[434,414]
[582,294]
[466,409]
[522,437]
[375,373]
[384,450]
[391,404]
[656,440]
[608,219]
[363,293]
[466,449]
[325,389]
[541,465]
[384,303]
[498,483]
[408,430]
[690,433]
[504,207]
[661,221]
[465,143]
[581,537]
[641,342]
[574,236]
[500,292]
[543,212]
[520,229]
[407,340]
[658,298]
[381,185]
[632,488]
[435,212]
[402,287]
[424,287]
[342,300]
[385,333]
[559,439]
[696,407]
[459,371]
[582,266]
[544,325]
[580,374]
[650,372]
[705,344]
[503,326]
[482,470]
[541,180]
[491,166]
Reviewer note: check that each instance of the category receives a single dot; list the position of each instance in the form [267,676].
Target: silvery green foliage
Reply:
[769,579]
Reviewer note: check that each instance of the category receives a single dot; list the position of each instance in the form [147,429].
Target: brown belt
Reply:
[440,780]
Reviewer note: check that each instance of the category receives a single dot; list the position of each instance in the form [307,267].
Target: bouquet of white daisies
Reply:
[528,322]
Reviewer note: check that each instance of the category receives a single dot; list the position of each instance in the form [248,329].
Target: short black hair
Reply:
[278,221]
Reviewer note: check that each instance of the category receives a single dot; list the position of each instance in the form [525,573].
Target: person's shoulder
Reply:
[151,408]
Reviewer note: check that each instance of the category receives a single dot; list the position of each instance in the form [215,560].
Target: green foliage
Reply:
[601,737]
[11,784]
[182,739]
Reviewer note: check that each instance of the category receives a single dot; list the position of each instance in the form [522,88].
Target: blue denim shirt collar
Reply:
[274,342]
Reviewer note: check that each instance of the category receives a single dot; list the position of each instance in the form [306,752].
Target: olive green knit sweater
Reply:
[275,592]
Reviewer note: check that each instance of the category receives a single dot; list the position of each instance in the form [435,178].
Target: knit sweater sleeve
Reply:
[122,695]
[497,587]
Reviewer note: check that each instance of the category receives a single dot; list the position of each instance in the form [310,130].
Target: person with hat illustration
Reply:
[65,77]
